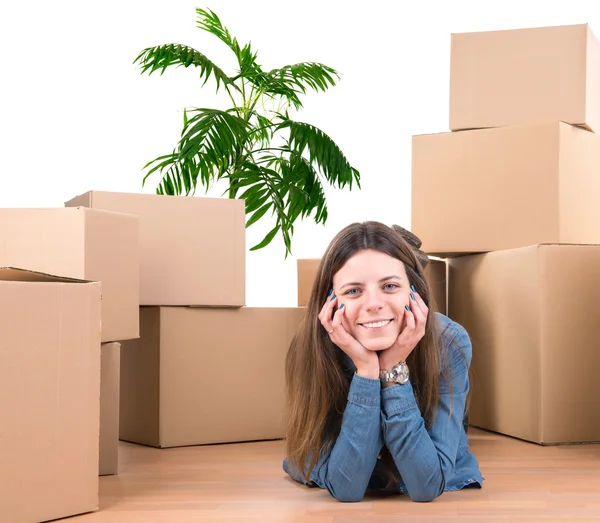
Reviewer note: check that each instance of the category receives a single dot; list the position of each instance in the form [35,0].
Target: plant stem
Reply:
[246,113]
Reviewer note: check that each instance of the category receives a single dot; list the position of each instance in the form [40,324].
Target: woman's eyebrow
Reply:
[392,277]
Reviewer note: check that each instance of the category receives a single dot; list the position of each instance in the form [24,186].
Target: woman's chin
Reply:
[378,344]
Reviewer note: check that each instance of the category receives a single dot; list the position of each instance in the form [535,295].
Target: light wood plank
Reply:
[244,483]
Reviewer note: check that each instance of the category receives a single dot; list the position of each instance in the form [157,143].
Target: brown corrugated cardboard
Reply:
[435,273]
[192,250]
[109,408]
[49,396]
[525,76]
[80,243]
[495,189]
[307,271]
[206,375]
[532,315]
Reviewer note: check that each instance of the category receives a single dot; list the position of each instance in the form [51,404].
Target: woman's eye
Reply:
[352,291]
[390,286]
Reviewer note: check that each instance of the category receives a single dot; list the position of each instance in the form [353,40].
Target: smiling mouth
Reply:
[376,324]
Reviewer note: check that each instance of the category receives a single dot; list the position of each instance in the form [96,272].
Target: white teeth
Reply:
[377,324]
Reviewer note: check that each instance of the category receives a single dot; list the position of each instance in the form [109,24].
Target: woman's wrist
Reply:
[388,363]
[390,360]
[368,371]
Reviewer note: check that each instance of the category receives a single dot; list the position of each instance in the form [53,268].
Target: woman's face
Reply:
[374,289]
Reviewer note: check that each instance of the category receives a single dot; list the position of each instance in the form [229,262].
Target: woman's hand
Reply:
[415,319]
[365,361]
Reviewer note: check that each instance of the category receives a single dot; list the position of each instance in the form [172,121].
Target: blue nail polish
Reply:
[342,306]
[333,297]
[407,307]
[412,296]
[413,288]
[330,291]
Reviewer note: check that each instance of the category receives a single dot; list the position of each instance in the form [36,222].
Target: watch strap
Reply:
[397,374]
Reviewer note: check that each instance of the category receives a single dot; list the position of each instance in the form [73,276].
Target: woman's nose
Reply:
[373,301]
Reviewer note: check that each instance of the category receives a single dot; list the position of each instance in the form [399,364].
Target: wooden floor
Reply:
[245,483]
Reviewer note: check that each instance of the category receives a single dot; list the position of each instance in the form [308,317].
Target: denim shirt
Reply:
[429,462]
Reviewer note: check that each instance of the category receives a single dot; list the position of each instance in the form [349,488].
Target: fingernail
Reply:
[407,307]
[330,291]
[342,306]
[412,296]
[413,288]
[333,297]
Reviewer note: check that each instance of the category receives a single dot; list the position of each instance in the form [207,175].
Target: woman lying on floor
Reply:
[377,380]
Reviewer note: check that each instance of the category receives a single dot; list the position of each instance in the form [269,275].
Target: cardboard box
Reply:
[49,396]
[496,189]
[532,315]
[192,250]
[109,408]
[436,276]
[206,375]
[80,243]
[435,273]
[525,76]
[307,272]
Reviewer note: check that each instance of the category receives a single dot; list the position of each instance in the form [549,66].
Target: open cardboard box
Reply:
[49,395]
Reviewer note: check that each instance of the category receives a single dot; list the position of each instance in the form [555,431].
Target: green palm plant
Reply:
[268,159]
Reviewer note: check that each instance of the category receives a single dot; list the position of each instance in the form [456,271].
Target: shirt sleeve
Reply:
[426,459]
[346,470]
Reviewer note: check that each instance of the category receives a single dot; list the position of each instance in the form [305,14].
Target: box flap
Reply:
[26,275]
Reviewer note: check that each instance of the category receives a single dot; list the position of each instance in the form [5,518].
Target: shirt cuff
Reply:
[398,398]
[365,392]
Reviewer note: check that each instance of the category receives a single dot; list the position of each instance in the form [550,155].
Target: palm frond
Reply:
[263,194]
[292,80]
[207,150]
[210,22]
[272,87]
[179,176]
[307,179]
[323,153]
[287,187]
[158,58]
[216,135]
[300,188]
[301,76]
[263,130]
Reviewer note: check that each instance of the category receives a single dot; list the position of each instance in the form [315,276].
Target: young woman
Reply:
[377,380]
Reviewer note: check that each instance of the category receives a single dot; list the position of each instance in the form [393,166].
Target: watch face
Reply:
[400,374]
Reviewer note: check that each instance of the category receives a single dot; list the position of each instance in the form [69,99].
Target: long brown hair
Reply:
[317,374]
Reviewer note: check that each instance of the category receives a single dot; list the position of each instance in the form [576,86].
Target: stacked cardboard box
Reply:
[49,395]
[510,197]
[206,368]
[92,245]
[80,370]
[65,246]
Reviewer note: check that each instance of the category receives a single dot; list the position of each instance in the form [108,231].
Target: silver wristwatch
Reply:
[398,374]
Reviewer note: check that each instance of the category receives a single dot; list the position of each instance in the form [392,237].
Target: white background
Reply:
[76,114]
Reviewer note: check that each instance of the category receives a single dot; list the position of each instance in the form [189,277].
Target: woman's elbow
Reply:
[424,498]
[425,495]
[346,495]
[349,498]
